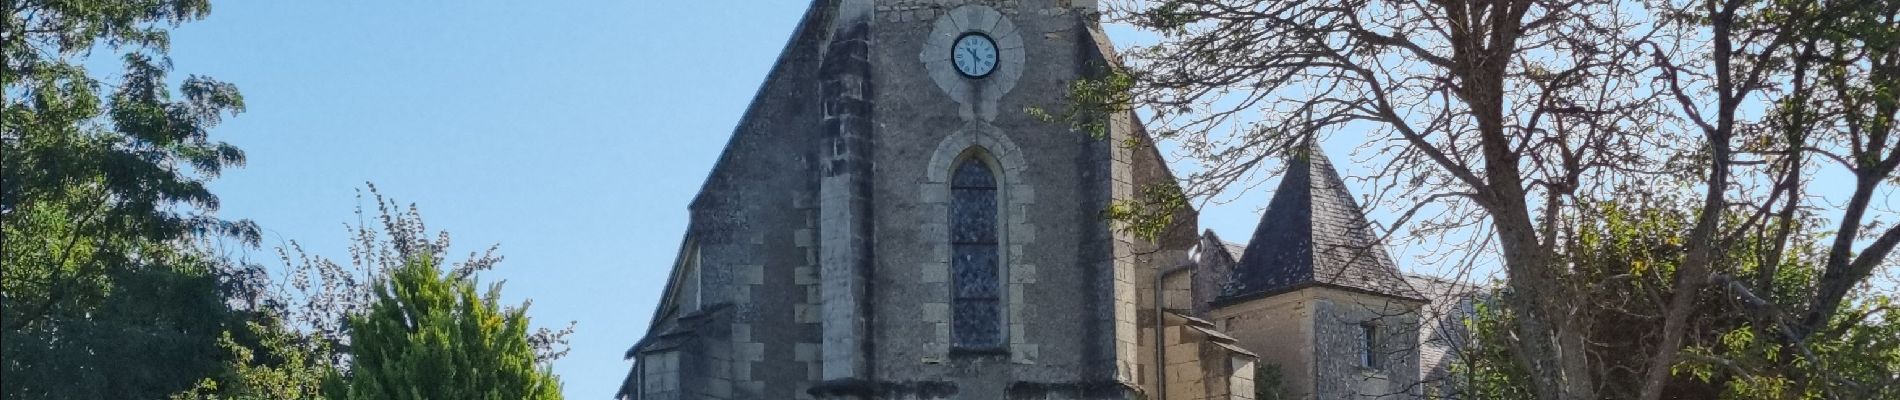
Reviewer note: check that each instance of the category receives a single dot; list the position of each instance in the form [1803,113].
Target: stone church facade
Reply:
[887,222]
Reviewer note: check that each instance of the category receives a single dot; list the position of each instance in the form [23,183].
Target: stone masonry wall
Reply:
[1338,316]
[746,222]
[1278,328]
[1050,230]
[765,241]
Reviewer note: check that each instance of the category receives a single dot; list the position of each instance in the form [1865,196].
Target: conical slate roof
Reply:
[1313,233]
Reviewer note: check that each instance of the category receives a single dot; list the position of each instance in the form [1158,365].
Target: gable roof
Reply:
[1313,233]
[1234,250]
[789,73]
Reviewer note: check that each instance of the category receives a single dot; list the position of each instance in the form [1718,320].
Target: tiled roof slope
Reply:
[1313,233]
[1443,337]
[1233,249]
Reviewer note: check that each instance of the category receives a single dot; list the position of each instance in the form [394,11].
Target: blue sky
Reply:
[571,133]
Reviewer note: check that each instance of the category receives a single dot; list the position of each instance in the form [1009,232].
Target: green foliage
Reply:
[1094,105]
[1863,356]
[111,290]
[1268,382]
[1093,102]
[1857,360]
[282,364]
[151,332]
[429,336]
[322,294]
[301,336]
[1623,256]
[103,193]
[1486,369]
[1151,213]
[125,158]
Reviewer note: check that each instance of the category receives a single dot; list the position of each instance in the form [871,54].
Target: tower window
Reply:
[1368,345]
[976,323]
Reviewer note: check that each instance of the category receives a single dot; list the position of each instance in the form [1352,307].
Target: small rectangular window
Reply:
[1368,345]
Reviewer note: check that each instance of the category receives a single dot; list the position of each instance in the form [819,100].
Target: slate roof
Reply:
[1234,250]
[685,328]
[1313,233]
[1215,336]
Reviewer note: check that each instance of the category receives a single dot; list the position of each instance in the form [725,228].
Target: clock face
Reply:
[974,55]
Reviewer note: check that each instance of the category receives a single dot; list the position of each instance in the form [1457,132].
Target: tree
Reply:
[111,285]
[319,295]
[429,336]
[278,364]
[123,169]
[154,332]
[1502,118]
[300,332]
[102,196]
[1631,250]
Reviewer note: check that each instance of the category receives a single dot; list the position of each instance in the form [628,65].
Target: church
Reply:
[888,221]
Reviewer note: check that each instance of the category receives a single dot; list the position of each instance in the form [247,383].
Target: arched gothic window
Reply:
[976,320]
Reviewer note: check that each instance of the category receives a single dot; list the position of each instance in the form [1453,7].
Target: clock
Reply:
[974,55]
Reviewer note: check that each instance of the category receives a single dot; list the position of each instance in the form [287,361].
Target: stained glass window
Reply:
[976,320]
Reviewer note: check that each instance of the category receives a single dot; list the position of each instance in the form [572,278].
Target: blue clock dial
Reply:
[974,55]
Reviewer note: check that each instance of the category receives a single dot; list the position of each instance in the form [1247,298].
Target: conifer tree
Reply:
[428,335]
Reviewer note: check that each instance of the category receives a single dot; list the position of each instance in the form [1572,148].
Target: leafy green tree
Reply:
[102,196]
[110,288]
[104,176]
[278,364]
[300,332]
[152,333]
[430,336]
[1739,350]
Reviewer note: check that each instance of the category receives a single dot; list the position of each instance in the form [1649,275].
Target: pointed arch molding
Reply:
[1016,232]
[999,148]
